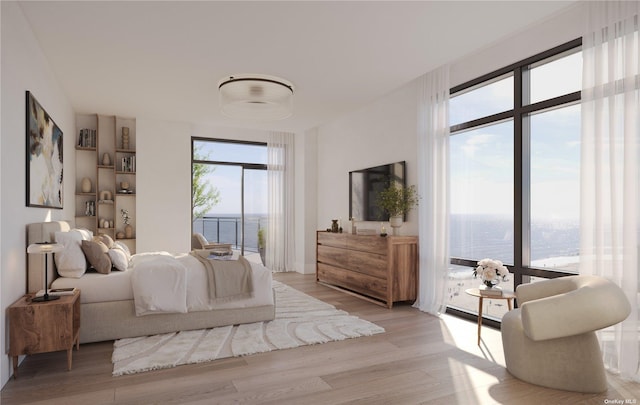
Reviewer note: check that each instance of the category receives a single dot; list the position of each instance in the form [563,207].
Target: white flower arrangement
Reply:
[491,271]
[125,216]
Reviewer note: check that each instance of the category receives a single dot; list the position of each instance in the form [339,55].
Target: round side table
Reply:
[506,295]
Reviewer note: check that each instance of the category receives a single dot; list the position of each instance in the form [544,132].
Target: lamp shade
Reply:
[44,248]
[256,97]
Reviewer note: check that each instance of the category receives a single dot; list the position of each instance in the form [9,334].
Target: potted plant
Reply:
[397,201]
[261,245]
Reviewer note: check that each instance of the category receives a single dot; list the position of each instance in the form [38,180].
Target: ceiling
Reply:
[163,60]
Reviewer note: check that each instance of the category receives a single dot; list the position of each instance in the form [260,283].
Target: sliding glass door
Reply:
[229,193]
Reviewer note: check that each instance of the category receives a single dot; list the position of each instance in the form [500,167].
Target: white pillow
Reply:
[71,262]
[119,258]
[124,248]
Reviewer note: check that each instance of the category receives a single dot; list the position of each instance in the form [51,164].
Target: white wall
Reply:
[24,67]
[163,181]
[383,132]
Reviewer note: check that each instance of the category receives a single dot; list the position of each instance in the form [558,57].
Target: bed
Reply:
[107,305]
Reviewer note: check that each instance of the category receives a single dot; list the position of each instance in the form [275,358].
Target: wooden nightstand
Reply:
[41,327]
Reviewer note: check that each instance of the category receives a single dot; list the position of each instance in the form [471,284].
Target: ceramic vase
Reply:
[396,222]
[85,186]
[128,231]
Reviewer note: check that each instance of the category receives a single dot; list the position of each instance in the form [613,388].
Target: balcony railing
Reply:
[228,229]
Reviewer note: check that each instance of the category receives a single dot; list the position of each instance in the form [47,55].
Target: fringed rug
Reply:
[300,320]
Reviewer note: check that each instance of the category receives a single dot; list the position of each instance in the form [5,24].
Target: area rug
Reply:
[300,320]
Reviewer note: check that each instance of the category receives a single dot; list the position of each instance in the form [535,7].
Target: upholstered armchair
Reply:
[550,339]
[198,241]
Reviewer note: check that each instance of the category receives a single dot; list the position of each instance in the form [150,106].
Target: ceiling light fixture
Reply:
[256,97]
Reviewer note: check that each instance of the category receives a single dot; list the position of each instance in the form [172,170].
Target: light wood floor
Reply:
[419,359]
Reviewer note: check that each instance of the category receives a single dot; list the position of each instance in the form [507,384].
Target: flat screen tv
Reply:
[366,184]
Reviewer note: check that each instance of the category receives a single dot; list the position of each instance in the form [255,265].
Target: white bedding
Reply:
[117,285]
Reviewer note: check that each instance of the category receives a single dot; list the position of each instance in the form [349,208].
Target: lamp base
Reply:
[45,298]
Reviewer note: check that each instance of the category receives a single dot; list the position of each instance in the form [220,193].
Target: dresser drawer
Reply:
[354,281]
[374,265]
[332,239]
[332,255]
[373,244]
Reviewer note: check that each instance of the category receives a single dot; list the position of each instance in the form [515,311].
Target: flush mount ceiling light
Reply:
[256,97]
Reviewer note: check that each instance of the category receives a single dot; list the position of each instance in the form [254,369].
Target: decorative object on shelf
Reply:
[85,185]
[124,185]
[125,138]
[334,226]
[397,200]
[87,138]
[256,97]
[44,157]
[491,272]
[128,229]
[120,235]
[45,248]
[105,196]
[90,208]
[106,160]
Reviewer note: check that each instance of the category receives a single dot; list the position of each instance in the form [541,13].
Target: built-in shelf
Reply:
[104,135]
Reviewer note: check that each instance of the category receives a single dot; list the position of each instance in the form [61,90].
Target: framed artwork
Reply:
[44,157]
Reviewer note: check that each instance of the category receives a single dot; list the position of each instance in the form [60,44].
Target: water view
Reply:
[554,245]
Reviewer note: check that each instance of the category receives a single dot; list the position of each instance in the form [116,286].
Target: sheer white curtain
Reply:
[433,187]
[280,239]
[610,166]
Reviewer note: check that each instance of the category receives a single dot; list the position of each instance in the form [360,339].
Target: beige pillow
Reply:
[106,239]
[97,254]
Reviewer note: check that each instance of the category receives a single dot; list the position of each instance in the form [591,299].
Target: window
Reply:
[515,173]
[232,177]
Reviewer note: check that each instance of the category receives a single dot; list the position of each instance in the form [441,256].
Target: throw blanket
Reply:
[228,279]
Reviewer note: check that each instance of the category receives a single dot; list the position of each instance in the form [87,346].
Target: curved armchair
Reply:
[550,339]
[198,241]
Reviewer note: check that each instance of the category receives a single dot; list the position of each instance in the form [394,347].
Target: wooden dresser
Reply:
[382,268]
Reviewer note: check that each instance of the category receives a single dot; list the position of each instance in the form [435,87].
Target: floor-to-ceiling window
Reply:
[515,173]
[229,192]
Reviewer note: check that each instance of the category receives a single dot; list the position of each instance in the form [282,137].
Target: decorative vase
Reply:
[106,160]
[85,186]
[125,138]
[491,283]
[396,223]
[128,231]
[334,226]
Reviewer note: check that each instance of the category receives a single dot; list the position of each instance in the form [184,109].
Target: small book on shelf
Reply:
[490,292]
[58,291]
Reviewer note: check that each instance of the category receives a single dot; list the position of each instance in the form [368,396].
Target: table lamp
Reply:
[44,248]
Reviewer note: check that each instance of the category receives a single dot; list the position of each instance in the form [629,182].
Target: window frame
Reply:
[521,149]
